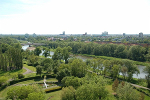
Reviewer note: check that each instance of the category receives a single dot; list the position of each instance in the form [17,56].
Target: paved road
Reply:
[27,71]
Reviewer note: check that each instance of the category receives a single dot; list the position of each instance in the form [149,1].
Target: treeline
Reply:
[10,54]
[137,53]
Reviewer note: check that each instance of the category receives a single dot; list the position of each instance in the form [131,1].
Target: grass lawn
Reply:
[30,75]
[54,95]
[30,67]
[9,74]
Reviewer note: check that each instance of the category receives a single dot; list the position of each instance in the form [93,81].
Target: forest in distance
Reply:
[72,78]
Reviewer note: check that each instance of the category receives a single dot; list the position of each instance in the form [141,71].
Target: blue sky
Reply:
[74,16]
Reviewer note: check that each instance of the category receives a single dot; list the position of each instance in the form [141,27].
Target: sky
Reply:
[74,16]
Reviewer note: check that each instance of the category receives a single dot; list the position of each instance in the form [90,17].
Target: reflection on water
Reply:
[141,75]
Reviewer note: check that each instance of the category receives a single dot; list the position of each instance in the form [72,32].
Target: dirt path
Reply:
[27,71]
[138,86]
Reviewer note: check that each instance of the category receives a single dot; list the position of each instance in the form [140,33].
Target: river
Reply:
[140,67]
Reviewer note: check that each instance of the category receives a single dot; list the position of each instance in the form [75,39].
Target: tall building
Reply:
[26,35]
[104,33]
[140,34]
[63,32]
[34,35]
[124,34]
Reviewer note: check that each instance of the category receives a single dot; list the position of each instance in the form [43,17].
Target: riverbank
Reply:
[112,58]
[31,48]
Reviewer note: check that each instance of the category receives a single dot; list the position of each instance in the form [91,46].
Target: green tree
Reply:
[3,80]
[62,73]
[71,81]
[147,71]
[37,51]
[115,70]
[78,68]
[68,93]
[46,52]
[65,53]
[39,70]
[22,92]
[132,69]
[127,92]
[58,55]
[36,96]
[115,85]
[91,92]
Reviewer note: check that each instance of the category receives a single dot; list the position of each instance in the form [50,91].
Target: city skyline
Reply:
[74,17]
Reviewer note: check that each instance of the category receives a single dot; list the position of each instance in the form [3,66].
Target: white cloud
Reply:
[79,16]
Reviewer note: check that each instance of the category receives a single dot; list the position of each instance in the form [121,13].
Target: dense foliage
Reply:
[137,53]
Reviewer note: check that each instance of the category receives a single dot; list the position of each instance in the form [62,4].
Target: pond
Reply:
[140,67]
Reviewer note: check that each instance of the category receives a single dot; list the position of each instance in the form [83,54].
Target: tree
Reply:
[127,92]
[46,52]
[115,85]
[36,96]
[39,70]
[61,74]
[124,71]
[78,68]
[132,69]
[68,93]
[71,81]
[3,80]
[22,92]
[58,54]
[66,53]
[91,92]
[37,51]
[147,71]
[115,70]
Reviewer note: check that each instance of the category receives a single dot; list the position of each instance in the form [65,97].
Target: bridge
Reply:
[36,44]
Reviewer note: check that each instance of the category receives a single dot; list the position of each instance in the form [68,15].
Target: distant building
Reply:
[85,33]
[124,34]
[140,34]
[63,33]
[26,35]
[104,33]
[34,35]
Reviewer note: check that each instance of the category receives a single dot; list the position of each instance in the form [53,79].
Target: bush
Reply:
[53,89]
[20,76]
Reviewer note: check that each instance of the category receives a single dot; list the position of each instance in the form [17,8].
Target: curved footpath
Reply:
[27,71]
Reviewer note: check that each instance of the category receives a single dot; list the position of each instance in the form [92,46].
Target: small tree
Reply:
[39,70]
[147,77]
[127,92]
[68,93]
[115,85]
[36,96]
[37,51]
[20,76]
[3,80]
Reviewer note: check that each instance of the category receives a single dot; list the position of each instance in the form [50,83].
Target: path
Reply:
[27,71]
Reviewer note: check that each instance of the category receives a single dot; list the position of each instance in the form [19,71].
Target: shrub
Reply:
[68,93]
[20,76]
[115,85]
[53,89]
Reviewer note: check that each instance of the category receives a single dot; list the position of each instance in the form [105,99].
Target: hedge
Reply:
[53,89]
[25,79]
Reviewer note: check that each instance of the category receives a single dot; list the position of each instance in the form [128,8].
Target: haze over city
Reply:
[74,16]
